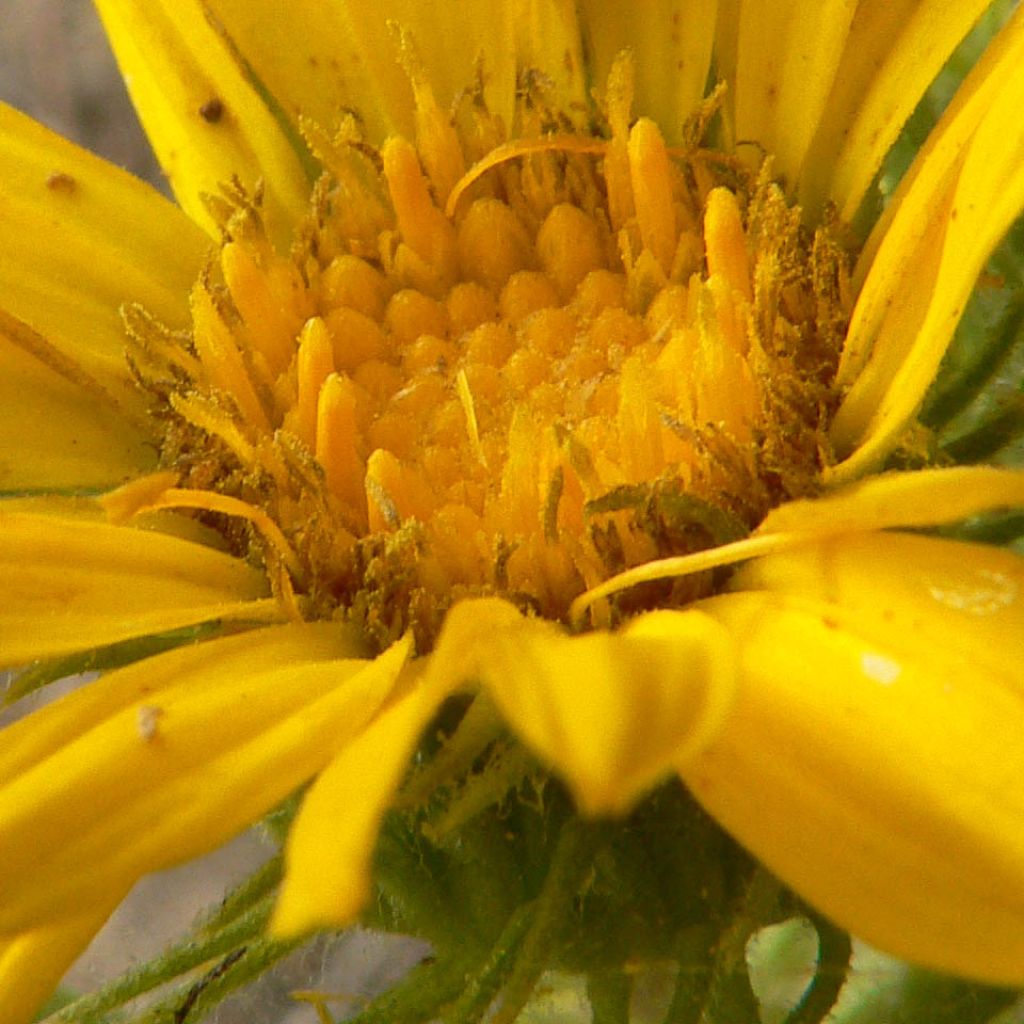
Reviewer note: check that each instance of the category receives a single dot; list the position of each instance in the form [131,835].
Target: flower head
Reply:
[456,402]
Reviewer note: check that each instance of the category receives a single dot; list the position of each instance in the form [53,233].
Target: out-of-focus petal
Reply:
[31,964]
[879,775]
[175,774]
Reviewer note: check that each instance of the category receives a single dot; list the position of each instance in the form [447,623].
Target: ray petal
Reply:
[358,56]
[786,60]
[35,737]
[176,774]
[56,433]
[671,45]
[80,238]
[76,583]
[926,497]
[331,844]
[612,712]
[964,598]
[958,200]
[328,858]
[877,772]
[32,963]
[205,115]
[894,51]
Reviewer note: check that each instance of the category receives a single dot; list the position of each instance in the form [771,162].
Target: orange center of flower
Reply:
[501,367]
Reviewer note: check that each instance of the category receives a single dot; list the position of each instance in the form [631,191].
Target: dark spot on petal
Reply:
[61,181]
[212,110]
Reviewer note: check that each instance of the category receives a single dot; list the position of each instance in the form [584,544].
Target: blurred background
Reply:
[55,65]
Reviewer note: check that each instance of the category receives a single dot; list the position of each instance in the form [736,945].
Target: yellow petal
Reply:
[80,238]
[206,120]
[174,775]
[35,737]
[313,62]
[547,35]
[880,777]
[31,964]
[925,497]
[671,49]
[72,584]
[893,53]
[786,60]
[330,846]
[962,194]
[56,433]
[612,712]
[967,599]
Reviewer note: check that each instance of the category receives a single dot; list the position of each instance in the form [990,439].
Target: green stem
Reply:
[178,960]
[190,1003]
[572,858]
[418,997]
[834,952]
[729,997]
[486,981]
[609,993]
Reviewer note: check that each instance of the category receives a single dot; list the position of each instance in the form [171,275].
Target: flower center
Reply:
[502,367]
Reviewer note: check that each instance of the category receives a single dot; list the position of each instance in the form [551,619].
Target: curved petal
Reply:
[73,583]
[924,497]
[206,119]
[894,51]
[671,46]
[960,197]
[31,964]
[963,599]
[175,775]
[879,775]
[80,238]
[927,497]
[330,846]
[331,843]
[612,712]
[786,60]
[59,434]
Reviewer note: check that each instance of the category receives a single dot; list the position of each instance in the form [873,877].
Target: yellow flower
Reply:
[476,347]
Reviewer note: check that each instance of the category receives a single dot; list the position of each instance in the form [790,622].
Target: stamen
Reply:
[219,353]
[725,242]
[650,175]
